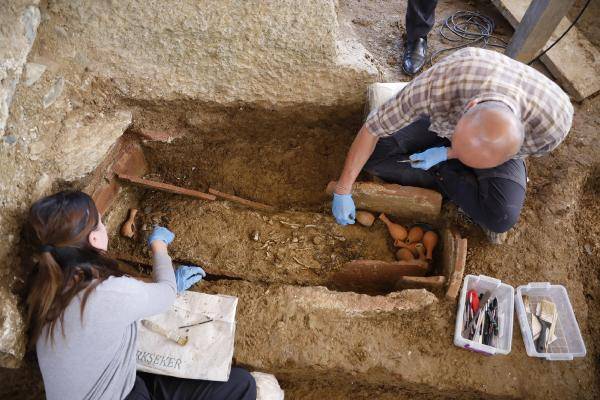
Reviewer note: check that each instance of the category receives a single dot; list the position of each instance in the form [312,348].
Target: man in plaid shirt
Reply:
[466,124]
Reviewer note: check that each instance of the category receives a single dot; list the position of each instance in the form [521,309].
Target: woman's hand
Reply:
[186,276]
[160,238]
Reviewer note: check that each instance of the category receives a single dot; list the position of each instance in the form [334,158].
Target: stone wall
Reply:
[72,72]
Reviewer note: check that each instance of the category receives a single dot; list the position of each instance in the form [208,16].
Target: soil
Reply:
[285,158]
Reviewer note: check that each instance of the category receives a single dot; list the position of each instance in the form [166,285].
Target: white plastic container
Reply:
[505,294]
[568,343]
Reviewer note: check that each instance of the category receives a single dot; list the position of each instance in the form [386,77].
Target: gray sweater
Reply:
[96,357]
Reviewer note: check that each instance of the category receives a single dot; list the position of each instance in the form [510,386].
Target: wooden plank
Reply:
[574,61]
[236,199]
[421,282]
[540,20]
[374,276]
[402,201]
[165,187]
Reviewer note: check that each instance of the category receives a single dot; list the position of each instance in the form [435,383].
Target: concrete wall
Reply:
[71,71]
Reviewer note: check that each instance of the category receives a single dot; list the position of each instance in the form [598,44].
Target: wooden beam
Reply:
[573,61]
[236,199]
[165,187]
[539,22]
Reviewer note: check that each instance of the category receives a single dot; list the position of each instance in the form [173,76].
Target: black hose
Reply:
[468,28]
[471,27]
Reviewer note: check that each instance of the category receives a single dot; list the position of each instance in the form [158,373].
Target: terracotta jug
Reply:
[421,250]
[365,218]
[415,234]
[397,232]
[430,240]
[404,254]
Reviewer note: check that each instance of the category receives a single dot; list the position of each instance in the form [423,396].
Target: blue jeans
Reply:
[492,197]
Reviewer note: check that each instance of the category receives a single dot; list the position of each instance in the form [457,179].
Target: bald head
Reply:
[487,135]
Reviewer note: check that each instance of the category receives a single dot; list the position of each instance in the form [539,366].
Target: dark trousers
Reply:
[240,386]
[492,197]
[420,17]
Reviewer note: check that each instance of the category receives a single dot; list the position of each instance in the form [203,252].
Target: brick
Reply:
[456,276]
[402,201]
[126,157]
[165,187]
[421,282]
[372,276]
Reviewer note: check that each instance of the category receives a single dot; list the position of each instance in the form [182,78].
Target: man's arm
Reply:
[359,153]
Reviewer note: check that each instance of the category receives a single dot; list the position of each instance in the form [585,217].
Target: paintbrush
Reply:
[546,316]
[171,335]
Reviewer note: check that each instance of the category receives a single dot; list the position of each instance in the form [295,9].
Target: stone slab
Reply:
[407,202]
[574,61]
[281,52]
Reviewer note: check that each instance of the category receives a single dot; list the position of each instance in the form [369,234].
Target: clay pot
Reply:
[415,234]
[421,251]
[404,254]
[397,232]
[365,218]
[430,240]
[412,247]
[128,227]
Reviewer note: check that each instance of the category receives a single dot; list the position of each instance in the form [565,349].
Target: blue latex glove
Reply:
[343,208]
[160,233]
[429,157]
[186,276]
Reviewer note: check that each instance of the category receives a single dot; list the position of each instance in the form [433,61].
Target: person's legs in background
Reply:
[240,386]
[420,17]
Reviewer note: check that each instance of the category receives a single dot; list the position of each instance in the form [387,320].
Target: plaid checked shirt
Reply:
[443,91]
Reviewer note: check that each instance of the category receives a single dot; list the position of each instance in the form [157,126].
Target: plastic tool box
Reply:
[505,295]
[568,343]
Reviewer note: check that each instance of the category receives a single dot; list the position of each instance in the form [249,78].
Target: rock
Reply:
[12,330]
[54,92]
[83,142]
[19,27]
[392,60]
[33,73]
[10,139]
[42,187]
[217,51]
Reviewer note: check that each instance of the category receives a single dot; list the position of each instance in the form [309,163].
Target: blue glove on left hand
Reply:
[186,276]
[429,157]
[343,209]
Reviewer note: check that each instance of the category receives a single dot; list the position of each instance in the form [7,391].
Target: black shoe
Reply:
[414,56]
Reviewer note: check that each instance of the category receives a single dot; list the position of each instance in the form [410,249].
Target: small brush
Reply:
[171,335]
[546,316]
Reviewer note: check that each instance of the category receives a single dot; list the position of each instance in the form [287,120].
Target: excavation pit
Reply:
[287,166]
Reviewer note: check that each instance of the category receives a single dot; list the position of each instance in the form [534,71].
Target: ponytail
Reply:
[47,281]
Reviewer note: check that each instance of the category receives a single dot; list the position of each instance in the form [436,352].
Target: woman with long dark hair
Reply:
[83,311]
